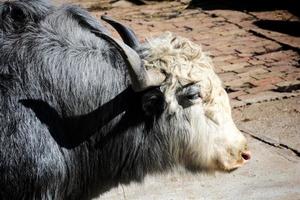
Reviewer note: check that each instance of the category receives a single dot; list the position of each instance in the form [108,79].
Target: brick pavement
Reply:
[255,64]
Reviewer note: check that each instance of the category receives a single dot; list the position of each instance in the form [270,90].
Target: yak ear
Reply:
[153,102]
[16,14]
[12,16]
[5,10]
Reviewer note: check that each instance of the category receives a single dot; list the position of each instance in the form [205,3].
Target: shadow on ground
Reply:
[247,5]
[283,26]
[287,27]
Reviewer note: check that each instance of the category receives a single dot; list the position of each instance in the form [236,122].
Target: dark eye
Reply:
[188,95]
[193,96]
[192,92]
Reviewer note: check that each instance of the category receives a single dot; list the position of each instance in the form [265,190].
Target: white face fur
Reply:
[193,89]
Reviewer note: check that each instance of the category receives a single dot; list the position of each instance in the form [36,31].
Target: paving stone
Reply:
[288,86]
[269,74]
[240,60]
[239,82]
[292,76]
[255,61]
[228,76]
[224,58]
[232,67]
[267,81]
[272,46]
[263,96]
[237,103]
[282,115]
[281,55]
[253,71]
[255,90]
[233,95]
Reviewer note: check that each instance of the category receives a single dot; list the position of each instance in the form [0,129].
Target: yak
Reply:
[81,111]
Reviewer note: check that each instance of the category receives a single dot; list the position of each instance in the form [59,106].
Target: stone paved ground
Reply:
[256,65]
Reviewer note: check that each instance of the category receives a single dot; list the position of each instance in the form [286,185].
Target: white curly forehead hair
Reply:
[213,130]
[183,62]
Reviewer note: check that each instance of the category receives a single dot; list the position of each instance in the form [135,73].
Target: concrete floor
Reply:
[273,130]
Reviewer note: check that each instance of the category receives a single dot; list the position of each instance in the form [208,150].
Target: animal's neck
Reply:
[125,153]
[128,157]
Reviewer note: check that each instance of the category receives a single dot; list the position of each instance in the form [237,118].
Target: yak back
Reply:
[55,69]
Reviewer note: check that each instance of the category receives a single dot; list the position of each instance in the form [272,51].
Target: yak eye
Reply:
[193,96]
[192,92]
[188,95]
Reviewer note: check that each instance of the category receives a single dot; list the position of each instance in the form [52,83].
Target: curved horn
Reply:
[140,78]
[127,34]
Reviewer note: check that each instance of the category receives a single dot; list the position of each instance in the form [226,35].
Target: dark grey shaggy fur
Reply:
[70,125]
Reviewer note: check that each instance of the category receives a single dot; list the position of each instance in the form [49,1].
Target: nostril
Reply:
[246,155]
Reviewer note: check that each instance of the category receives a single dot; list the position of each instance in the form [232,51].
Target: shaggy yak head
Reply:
[196,116]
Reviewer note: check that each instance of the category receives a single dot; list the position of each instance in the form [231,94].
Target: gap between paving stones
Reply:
[261,97]
[284,46]
[273,144]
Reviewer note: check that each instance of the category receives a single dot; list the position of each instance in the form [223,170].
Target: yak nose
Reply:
[246,155]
